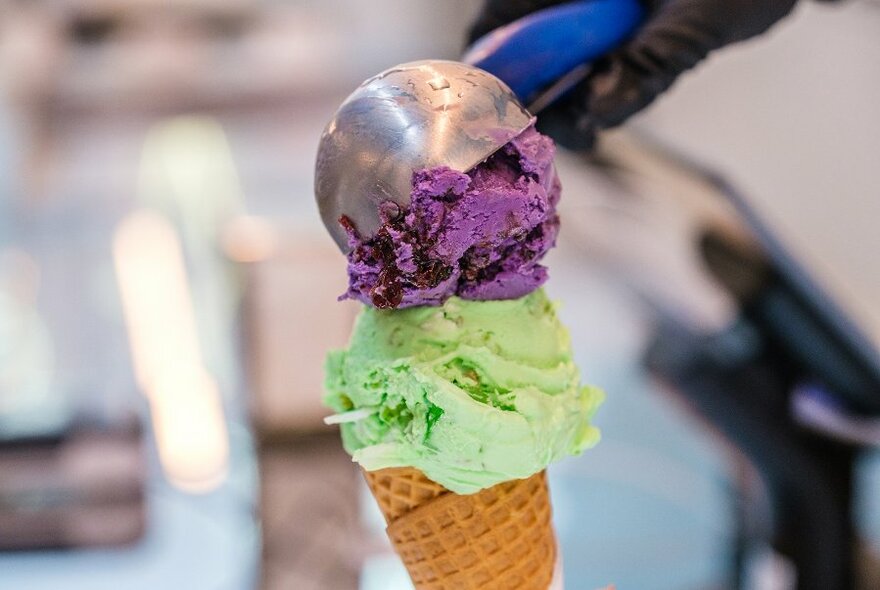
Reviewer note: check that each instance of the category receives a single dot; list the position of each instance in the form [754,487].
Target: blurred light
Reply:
[184,399]
[250,239]
[187,167]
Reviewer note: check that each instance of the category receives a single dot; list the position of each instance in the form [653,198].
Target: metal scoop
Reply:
[432,113]
[412,116]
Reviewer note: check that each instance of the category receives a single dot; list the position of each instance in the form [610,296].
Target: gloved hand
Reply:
[676,36]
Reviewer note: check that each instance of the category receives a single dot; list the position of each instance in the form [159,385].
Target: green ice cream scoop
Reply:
[471,393]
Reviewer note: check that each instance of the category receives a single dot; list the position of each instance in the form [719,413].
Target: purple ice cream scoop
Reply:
[479,234]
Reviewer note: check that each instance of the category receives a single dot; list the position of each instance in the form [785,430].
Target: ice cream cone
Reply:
[400,490]
[498,538]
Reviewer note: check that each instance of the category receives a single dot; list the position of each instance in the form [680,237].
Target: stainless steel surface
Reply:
[415,115]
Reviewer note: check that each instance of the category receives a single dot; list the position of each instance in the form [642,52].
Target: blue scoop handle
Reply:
[535,51]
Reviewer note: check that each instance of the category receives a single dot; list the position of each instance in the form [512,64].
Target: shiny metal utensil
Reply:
[416,115]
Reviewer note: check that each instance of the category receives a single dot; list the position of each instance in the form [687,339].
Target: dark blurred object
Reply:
[744,380]
[83,489]
[809,476]
[312,533]
[790,309]
[772,351]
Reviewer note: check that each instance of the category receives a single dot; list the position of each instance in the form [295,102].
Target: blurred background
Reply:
[168,293]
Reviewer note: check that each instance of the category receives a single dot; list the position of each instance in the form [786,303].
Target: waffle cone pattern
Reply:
[500,538]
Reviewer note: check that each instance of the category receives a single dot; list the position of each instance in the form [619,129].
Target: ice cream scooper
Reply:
[443,113]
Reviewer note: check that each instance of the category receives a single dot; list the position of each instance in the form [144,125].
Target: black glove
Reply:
[675,37]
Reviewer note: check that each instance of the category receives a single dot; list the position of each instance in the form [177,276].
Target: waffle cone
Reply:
[499,538]
[400,490]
